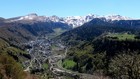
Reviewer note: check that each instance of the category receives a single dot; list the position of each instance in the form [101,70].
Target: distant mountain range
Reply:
[24,28]
[73,21]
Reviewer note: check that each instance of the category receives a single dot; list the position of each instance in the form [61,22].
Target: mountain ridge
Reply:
[73,21]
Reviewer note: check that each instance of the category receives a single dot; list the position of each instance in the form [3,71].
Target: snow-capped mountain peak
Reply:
[32,17]
[29,17]
[117,17]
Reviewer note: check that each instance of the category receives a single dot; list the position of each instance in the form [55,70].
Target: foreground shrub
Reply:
[125,66]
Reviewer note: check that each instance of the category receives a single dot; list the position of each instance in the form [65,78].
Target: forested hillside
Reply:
[105,48]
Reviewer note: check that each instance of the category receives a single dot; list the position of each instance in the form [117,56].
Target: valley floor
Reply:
[45,57]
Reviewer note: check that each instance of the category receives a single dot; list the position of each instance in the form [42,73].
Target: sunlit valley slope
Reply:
[77,47]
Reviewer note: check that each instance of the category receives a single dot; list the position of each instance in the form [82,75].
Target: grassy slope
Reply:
[122,36]
[57,32]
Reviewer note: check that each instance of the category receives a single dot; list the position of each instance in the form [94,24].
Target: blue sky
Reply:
[12,8]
